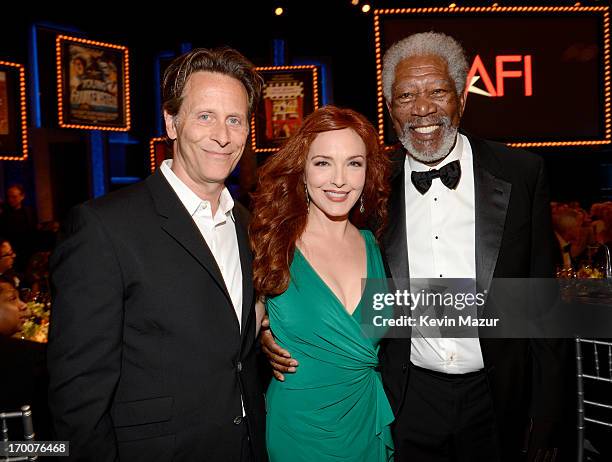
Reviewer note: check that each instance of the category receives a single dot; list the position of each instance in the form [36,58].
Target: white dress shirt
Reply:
[441,234]
[219,232]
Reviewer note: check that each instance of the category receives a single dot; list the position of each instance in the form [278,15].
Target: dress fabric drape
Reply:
[334,407]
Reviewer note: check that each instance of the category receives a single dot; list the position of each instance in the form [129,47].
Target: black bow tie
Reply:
[449,175]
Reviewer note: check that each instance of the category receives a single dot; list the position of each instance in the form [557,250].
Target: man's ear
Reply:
[396,125]
[388,106]
[462,101]
[170,125]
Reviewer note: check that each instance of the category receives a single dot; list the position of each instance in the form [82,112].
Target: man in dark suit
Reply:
[464,208]
[18,224]
[151,348]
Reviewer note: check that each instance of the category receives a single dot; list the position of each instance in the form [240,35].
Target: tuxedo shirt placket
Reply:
[440,230]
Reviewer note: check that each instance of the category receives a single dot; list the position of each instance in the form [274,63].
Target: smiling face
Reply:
[425,107]
[210,129]
[335,172]
[13,311]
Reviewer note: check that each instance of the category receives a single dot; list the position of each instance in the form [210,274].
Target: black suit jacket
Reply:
[513,240]
[146,358]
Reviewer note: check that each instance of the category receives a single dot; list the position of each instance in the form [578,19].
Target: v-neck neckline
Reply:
[329,289]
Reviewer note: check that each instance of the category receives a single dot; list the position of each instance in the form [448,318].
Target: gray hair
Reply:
[422,44]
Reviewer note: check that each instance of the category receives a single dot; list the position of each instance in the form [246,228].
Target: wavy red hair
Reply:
[279,203]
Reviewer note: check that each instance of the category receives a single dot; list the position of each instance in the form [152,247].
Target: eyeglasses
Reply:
[10,254]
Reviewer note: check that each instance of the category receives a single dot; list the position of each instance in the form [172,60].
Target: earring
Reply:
[307,197]
[361,207]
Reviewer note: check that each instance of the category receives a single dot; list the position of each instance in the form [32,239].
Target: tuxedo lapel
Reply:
[180,226]
[491,198]
[395,241]
[246,264]
[395,245]
[492,195]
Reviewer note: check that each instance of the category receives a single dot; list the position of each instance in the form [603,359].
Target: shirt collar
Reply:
[226,203]
[190,200]
[412,164]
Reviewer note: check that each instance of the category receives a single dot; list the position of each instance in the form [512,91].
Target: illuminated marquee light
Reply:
[315,89]
[379,88]
[505,9]
[126,90]
[608,114]
[22,111]
[152,143]
[553,144]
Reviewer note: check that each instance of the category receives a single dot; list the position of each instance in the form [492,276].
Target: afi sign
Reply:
[522,60]
[503,70]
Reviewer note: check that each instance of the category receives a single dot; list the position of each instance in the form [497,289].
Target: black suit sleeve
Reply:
[85,338]
[550,357]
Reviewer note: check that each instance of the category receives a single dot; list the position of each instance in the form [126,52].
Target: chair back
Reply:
[25,414]
[594,367]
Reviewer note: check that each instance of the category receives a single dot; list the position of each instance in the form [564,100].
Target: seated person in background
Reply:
[13,311]
[36,276]
[24,376]
[7,261]
[600,232]
[601,213]
[18,224]
[571,234]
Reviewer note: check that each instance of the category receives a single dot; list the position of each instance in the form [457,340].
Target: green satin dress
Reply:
[334,407]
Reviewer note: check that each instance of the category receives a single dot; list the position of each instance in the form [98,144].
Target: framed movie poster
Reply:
[92,84]
[159,150]
[538,76]
[13,120]
[290,93]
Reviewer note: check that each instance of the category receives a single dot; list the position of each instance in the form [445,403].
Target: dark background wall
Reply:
[332,31]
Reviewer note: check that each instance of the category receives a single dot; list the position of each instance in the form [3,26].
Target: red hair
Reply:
[280,209]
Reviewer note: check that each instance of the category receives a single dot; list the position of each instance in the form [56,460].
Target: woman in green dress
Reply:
[310,259]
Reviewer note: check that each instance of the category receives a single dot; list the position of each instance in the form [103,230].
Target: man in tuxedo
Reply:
[461,207]
[151,349]
[464,207]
